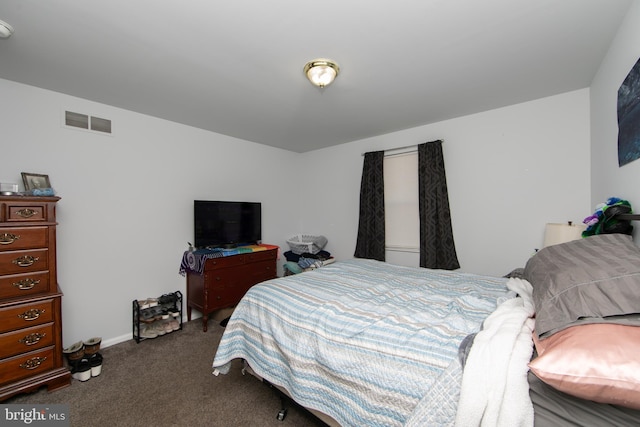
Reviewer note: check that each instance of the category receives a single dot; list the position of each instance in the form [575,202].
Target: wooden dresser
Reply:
[225,280]
[30,314]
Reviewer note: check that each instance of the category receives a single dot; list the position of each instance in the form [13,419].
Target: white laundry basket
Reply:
[305,243]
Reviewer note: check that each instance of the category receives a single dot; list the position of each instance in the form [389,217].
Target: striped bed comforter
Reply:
[365,342]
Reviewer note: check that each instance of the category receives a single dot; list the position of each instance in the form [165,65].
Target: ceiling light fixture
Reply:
[321,72]
[5,30]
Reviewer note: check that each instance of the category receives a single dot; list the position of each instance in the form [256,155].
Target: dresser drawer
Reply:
[226,294]
[26,315]
[25,365]
[223,295]
[217,278]
[16,238]
[262,271]
[223,262]
[261,256]
[29,212]
[15,262]
[24,340]
[17,285]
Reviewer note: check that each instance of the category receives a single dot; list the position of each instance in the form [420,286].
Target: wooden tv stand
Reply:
[225,280]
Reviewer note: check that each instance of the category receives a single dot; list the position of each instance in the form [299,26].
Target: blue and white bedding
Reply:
[365,342]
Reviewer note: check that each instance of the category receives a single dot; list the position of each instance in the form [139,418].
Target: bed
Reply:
[361,342]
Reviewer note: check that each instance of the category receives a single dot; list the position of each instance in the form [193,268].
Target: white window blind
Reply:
[402,221]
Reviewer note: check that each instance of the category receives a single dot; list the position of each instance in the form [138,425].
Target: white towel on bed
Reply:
[495,391]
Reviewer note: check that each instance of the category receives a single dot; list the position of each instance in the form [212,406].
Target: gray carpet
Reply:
[167,381]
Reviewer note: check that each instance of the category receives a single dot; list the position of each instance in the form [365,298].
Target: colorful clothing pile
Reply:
[603,220]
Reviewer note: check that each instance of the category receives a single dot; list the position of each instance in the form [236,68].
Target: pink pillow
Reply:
[599,362]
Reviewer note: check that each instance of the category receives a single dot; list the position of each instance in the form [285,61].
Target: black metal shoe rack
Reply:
[152,316]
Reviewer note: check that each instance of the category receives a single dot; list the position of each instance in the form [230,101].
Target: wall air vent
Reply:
[76,120]
[100,125]
[84,121]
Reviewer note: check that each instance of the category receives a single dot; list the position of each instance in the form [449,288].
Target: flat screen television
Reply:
[226,224]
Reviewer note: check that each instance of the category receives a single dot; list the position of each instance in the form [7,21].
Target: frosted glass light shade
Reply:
[555,234]
[321,72]
[5,30]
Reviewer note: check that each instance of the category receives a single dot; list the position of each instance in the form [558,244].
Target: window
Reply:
[402,220]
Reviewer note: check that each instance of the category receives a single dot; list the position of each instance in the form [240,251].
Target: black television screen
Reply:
[226,224]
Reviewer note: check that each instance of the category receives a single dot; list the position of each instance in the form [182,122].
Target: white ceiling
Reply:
[235,67]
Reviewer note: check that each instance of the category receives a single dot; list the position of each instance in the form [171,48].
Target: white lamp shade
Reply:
[554,234]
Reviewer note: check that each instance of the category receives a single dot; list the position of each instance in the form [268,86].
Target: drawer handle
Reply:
[33,363]
[32,314]
[8,238]
[25,260]
[26,284]
[32,339]
[26,213]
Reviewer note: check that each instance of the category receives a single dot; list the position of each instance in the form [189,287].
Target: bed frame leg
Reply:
[282,413]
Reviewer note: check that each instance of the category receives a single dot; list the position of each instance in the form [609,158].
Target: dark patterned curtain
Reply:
[370,243]
[437,249]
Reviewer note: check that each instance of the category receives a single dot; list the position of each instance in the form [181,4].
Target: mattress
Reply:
[365,342]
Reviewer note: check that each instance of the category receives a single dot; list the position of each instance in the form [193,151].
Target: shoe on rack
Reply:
[154,313]
[167,299]
[92,346]
[158,328]
[147,315]
[175,325]
[174,312]
[95,362]
[81,370]
[167,327]
[159,313]
[147,303]
[148,332]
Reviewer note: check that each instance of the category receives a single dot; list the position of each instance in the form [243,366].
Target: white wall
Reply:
[126,212]
[607,178]
[509,171]
[126,209]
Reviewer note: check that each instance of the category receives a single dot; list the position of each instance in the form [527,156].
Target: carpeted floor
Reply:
[167,381]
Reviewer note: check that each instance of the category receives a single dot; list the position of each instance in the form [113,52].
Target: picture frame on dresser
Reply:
[33,181]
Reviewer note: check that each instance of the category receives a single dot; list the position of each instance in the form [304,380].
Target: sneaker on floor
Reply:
[81,370]
[95,362]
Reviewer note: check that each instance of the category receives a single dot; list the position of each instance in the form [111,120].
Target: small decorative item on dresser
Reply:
[34,181]
[8,188]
